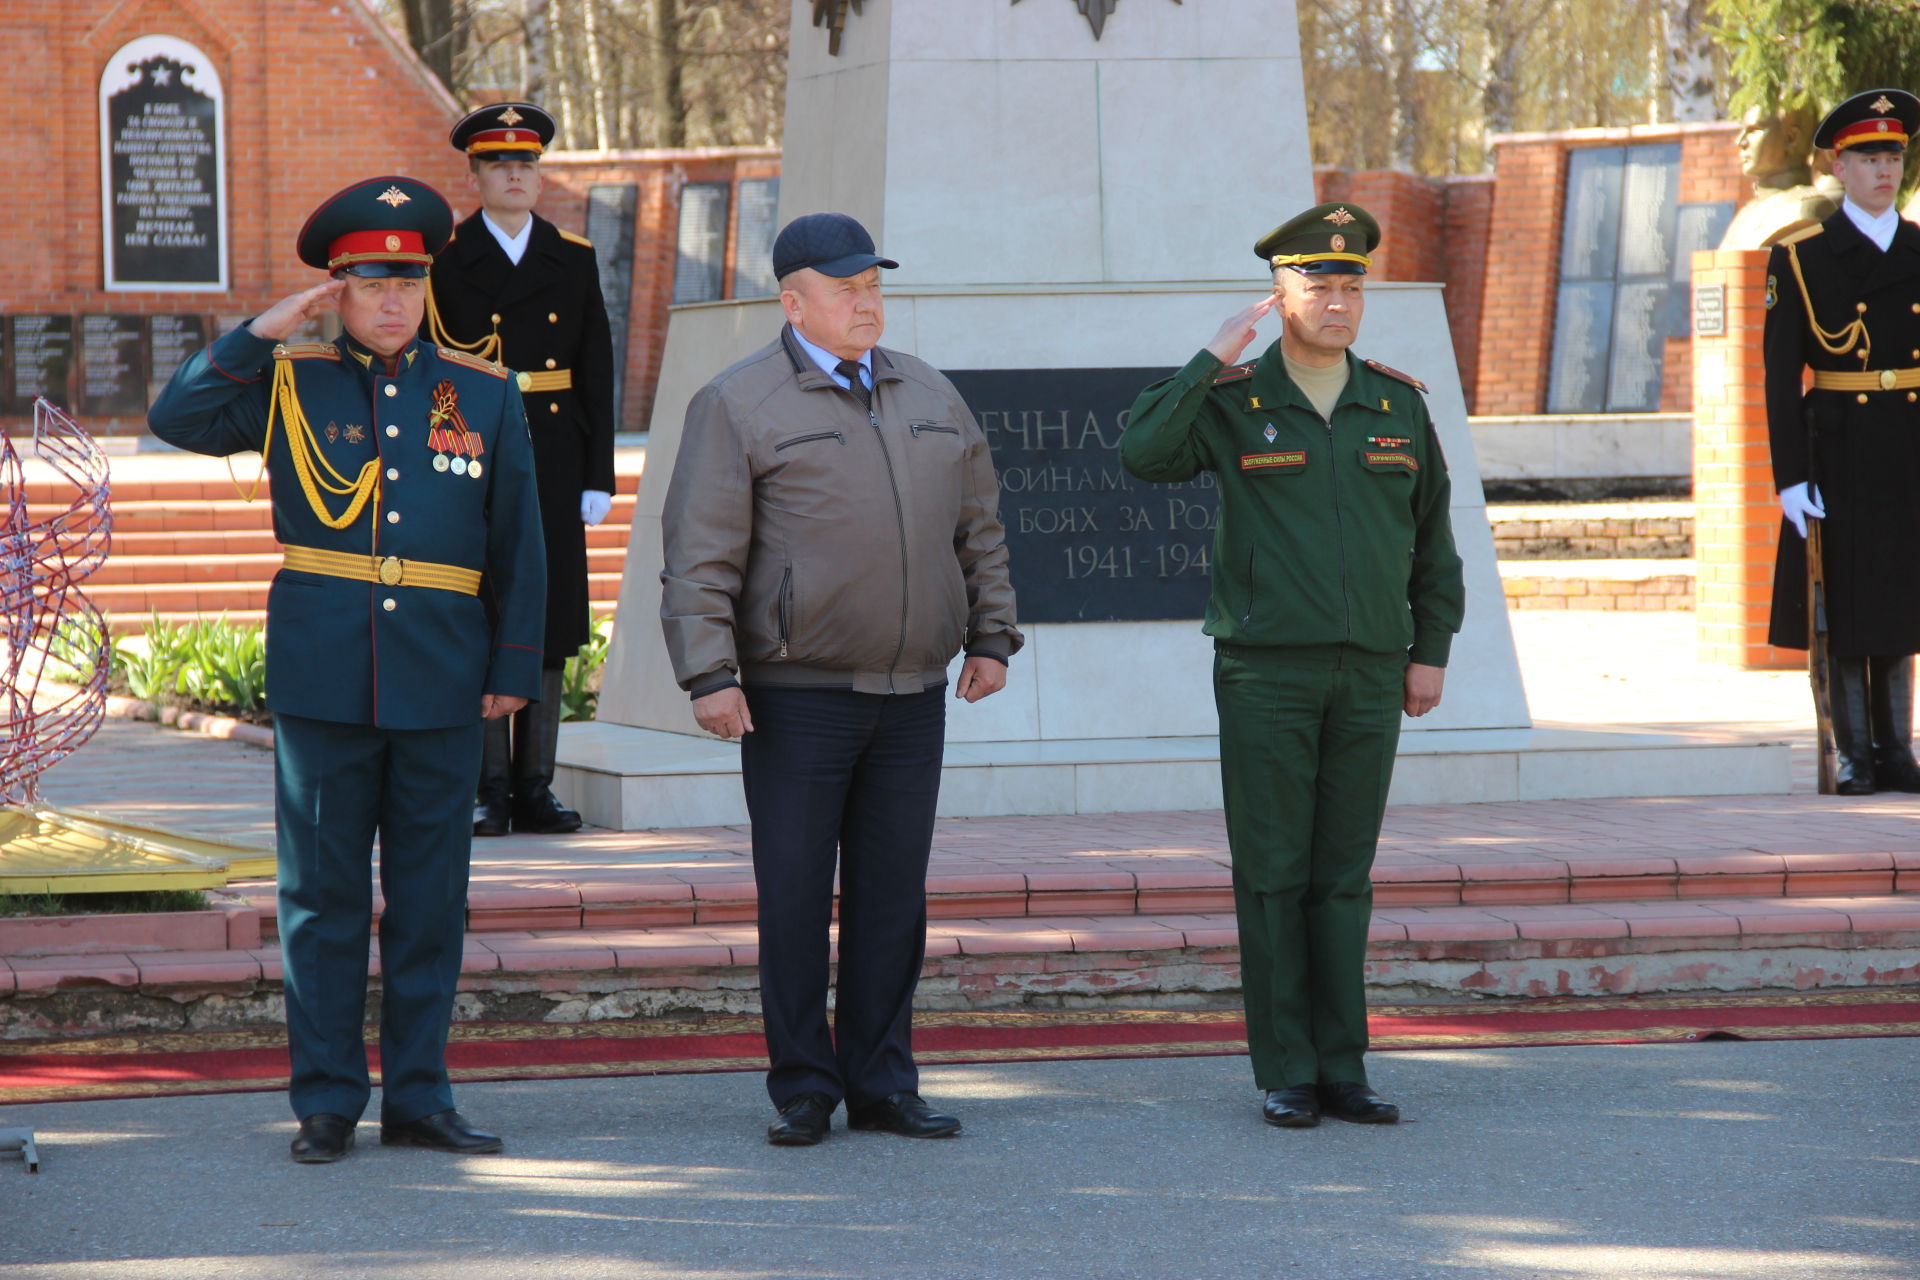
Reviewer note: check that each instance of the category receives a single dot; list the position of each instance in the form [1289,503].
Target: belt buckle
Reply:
[1889,379]
[393,570]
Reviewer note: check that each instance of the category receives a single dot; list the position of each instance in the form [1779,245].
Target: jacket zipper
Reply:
[918,427]
[786,604]
[1247,621]
[900,520]
[818,435]
[1340,530]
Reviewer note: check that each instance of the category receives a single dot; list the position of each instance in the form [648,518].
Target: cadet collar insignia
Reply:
[1270,433]
[1339,218]
[1386,405]
[333,433]
[510,117]
[1773,291]
[1253,402]
[1881,104]
[355,434]
[455,447]
[393,197]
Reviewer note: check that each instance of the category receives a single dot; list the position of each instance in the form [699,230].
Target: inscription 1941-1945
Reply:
[1089,542]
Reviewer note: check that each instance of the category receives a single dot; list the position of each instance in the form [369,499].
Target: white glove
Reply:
[1797,502]
[595,503]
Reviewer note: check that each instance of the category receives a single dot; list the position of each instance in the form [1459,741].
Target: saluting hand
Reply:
[1238,331]
[284,318]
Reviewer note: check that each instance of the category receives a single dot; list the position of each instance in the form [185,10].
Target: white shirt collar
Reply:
[515,247]
[1879,230]
[827,360]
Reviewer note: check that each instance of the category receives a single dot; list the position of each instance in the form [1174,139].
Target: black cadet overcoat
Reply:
[550,316]
[1860,446]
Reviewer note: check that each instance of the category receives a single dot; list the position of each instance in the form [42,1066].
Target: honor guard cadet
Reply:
[1843,299]
[1336,596]
[513,288]
[403,495]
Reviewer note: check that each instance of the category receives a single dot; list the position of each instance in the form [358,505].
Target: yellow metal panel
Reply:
[48,850]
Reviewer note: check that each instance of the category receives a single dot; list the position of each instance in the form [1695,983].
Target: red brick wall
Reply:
[317,94]
[1469,221]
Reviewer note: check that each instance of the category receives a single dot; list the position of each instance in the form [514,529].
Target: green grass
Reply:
[132,902]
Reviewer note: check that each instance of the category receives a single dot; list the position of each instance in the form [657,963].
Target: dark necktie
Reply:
[850,370]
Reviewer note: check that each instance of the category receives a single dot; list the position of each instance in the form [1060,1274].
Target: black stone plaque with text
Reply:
[170,340]
[163,179]
[41,348]
[1089,542]
[1637,361]
[1590,234]
[1582,318]
[113,366]
[610,213]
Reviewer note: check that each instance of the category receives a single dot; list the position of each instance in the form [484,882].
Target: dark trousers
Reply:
[1306,755]
[335,787]
[832,774]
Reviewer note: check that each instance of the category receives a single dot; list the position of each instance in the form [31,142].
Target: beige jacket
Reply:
[810,543]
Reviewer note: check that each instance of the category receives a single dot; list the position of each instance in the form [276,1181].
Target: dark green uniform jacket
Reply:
[398,657]
[1332,538]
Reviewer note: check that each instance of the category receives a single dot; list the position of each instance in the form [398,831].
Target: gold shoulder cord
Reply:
[1837,343]
[303,448]
[486,348]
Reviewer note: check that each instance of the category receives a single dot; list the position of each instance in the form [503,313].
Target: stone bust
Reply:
[1773,156]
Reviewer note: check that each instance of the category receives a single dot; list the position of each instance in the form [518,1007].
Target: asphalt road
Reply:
[1710,1161]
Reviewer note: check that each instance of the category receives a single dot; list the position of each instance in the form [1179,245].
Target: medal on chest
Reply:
[455,447]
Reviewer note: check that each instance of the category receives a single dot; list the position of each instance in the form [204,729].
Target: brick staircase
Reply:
[186,548]
[1595,555]
[1737,893]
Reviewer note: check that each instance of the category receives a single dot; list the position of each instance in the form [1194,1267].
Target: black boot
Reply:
[1890,687]
[1852,726]
[536,741]
[493,808]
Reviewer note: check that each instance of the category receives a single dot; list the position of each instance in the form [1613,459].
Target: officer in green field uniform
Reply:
[403,492]
[1336,595]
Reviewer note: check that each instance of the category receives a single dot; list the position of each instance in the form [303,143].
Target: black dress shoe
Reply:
[1297,1107]
[903,1113]
[1894,769]
[492,816]
[803,1122]
[541,815]
[1347,1100]
[323,1138]
[442,1131]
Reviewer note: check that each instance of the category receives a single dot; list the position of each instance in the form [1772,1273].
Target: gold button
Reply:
[553,317]
[392,432]
[393,473]
[554,407]
[1912,396]
[392,390]
[393,517]
[1861,307]
[388,604]
[496,317]
[555,364]
[1862,398]
[1916,308]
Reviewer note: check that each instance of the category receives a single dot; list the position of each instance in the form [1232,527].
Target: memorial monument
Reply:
[1774,150]
[1072,221]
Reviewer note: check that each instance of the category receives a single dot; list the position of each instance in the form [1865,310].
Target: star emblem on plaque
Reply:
[832,14]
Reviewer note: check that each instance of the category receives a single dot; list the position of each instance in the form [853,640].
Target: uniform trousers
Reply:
[335,787]
[1306,755]
[837,776]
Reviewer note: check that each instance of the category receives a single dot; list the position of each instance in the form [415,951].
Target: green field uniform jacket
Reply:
[1333,539]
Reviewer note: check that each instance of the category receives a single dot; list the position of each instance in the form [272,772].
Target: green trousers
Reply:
[1306,755]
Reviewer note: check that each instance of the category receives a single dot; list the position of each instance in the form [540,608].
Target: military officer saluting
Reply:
[1336,596]
[514,288]
[403,489]
[1843,299]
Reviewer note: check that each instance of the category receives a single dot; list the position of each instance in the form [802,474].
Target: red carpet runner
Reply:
[159,1065]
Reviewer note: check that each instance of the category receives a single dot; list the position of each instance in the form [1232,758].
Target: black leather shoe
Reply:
[1894,769]
[1346,1100]
[905,1114]
[492,816]
[541,815]
[803,1122]
[1294,1108]
[442,1131]
[323,1138]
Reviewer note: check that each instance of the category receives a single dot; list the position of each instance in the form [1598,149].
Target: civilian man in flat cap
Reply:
[1336,596]
[513,288]
[832,542]
[402,483]
[1843,299]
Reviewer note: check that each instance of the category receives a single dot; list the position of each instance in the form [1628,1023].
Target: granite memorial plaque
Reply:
[610,213]
[1710,310]
[1649,204]
[163,168]
[753,242]
[1698,226]
[42,350]
[1590,233]
[1637,362]
[113,366]
[1089,542]
[698,264]
[170,340]
[1583,322]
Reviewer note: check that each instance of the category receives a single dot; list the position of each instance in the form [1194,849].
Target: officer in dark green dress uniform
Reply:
[403,492]
[1843,299]
[1336,596]
[513,288]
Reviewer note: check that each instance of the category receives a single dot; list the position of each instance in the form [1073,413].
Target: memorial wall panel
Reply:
[162,159]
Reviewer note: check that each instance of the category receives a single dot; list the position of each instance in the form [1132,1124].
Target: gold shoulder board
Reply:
[572,238]
[1407,378]
[307,351]
[466,361]
[1233,373]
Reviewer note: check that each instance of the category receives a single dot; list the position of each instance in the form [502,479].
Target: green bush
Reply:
[580,683]
[208,664]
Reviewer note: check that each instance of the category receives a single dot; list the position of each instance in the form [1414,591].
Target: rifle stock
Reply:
[1817,668]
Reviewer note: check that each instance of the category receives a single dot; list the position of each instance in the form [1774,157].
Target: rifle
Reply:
[1817,667]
